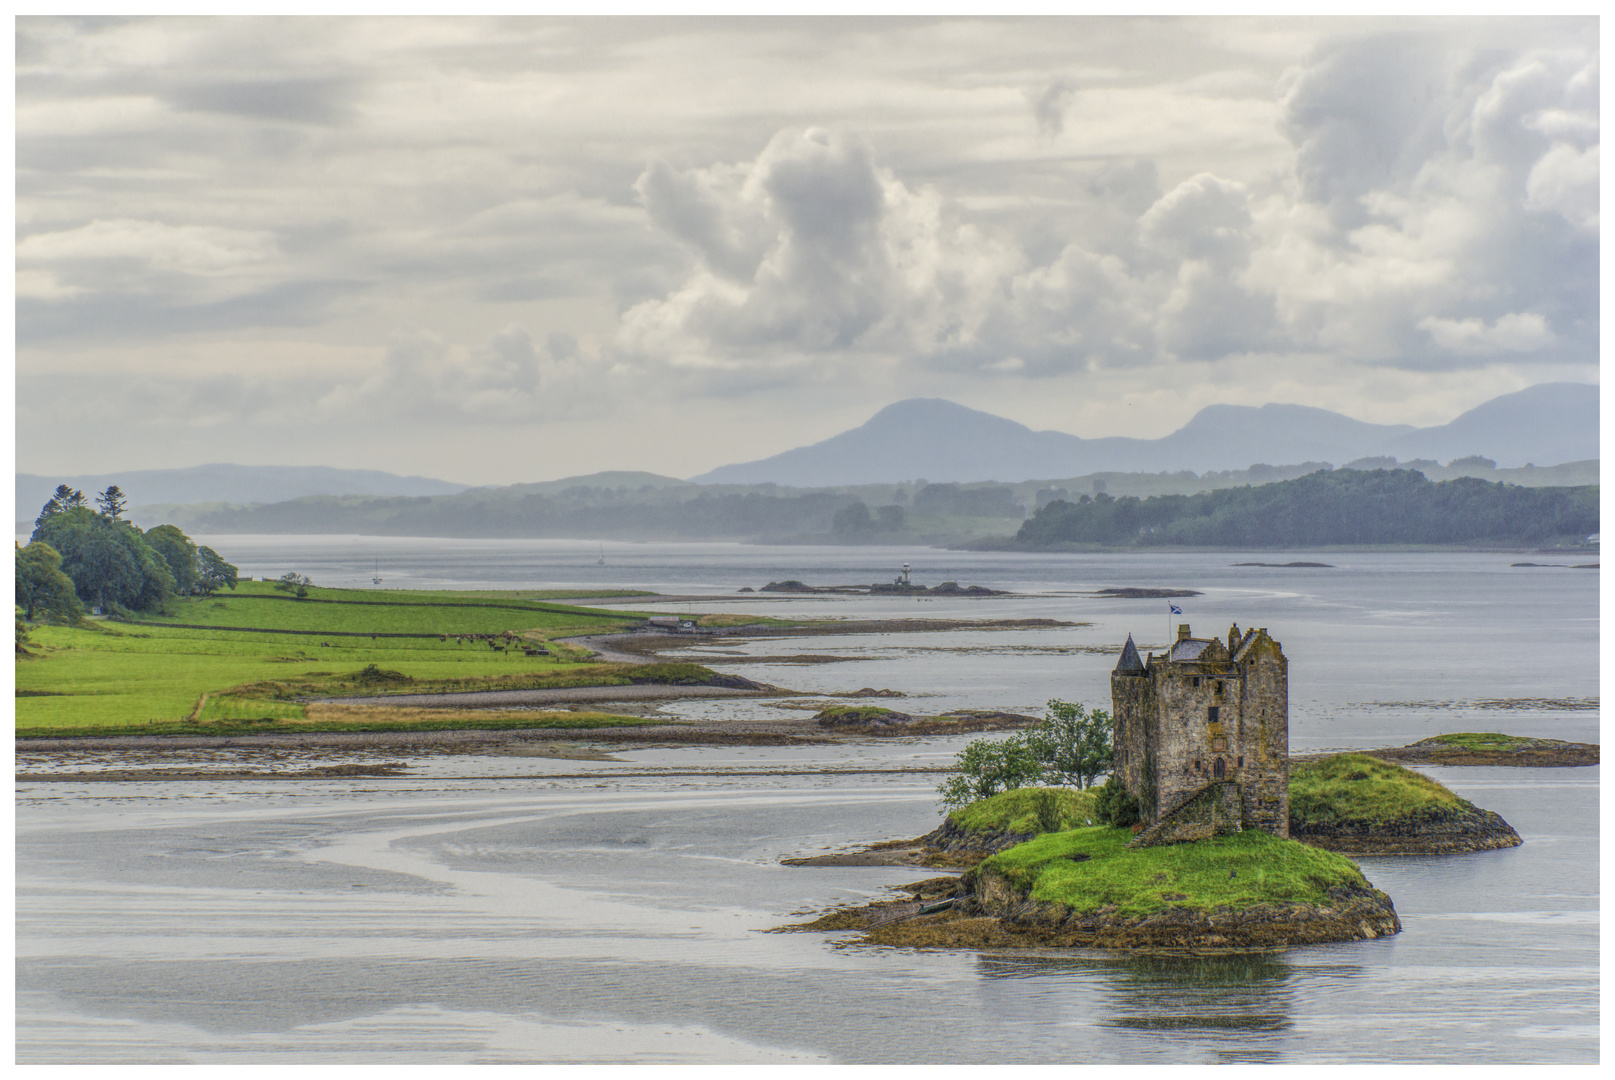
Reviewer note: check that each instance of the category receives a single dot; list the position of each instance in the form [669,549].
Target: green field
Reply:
[106,675]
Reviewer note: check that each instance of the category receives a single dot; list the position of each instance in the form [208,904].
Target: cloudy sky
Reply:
[494,250]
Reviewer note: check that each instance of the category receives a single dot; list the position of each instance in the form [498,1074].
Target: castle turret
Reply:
[1129,664]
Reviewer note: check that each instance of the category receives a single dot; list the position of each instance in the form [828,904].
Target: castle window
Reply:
[1240,761]
[1212,712]
[1218,686]
[1219,770]
[1194,681]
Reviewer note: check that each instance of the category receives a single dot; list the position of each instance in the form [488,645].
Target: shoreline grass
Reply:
[387,721]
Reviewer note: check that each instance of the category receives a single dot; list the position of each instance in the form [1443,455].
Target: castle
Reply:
[1202,735]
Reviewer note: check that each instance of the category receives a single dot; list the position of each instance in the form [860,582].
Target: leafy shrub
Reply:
[1115,806]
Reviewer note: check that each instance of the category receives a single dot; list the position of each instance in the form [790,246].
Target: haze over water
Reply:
[496,908]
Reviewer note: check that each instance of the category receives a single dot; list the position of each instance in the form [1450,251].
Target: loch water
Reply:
[507,908]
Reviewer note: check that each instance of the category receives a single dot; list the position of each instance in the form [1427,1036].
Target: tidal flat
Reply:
[489,904]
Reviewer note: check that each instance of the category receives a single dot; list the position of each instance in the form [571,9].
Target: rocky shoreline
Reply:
[1353,913]
[1452,833]
[983,910]
[1522,753]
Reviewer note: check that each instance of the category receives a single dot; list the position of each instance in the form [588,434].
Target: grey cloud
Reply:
[1365,114]
[694,209]
[428,380]
[111,316]
[561,345]
[1049,105]
[316,100]
[817,272]
[1458,180]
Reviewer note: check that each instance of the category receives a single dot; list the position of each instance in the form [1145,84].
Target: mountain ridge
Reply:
[943,441]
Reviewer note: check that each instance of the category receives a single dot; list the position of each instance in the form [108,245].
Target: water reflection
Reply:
[1238,1008]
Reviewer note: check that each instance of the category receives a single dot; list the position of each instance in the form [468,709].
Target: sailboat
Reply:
[601,561]
[377,579]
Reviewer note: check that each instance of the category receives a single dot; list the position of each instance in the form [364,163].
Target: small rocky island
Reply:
[900,587]
[1231,846]
[1360,805]
[1494,748]
[1093,886]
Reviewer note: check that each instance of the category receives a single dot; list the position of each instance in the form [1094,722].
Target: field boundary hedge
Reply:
[264,630]
[538,606]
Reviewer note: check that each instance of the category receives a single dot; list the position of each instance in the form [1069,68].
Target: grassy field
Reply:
[106,676]
[1022,810]
[1247,868]
[1355,787]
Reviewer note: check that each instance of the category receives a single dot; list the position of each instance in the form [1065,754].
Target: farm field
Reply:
[235,660]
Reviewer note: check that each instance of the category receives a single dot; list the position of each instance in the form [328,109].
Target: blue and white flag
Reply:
[1173,608]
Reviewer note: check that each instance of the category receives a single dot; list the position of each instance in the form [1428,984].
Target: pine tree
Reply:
[111,501]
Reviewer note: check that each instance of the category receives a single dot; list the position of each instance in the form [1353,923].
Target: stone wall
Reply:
[1214,810]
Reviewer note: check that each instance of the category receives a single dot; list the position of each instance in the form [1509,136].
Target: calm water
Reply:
[493,909]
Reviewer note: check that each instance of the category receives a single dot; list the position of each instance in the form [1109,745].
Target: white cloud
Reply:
[812,248]
[1519,332]
[1565,181]
[187,249]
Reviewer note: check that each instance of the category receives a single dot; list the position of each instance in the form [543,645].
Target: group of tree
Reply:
[78,556]
[855,521]
[667,513]
[1070,746]
[1346,506]
[958,500]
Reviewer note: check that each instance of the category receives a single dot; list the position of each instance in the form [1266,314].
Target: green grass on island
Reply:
[1486,740]
[233,662]
[1091,869]
[853,713]
[1358,788]
[1023,810]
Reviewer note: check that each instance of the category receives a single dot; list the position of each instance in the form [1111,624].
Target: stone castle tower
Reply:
[1202,735]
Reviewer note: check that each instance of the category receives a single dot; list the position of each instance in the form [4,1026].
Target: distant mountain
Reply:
[1548,424]
[611,481]
[942,441]
[228,484]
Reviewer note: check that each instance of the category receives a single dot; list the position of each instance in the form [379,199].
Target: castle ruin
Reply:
[1202,736]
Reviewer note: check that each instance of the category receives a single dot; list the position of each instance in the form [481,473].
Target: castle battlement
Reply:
[1207,714]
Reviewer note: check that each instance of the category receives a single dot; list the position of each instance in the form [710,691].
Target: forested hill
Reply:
[1345,506]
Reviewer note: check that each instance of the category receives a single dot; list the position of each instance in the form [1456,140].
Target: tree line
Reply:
[1346,506]
[81,556]
[485,514]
